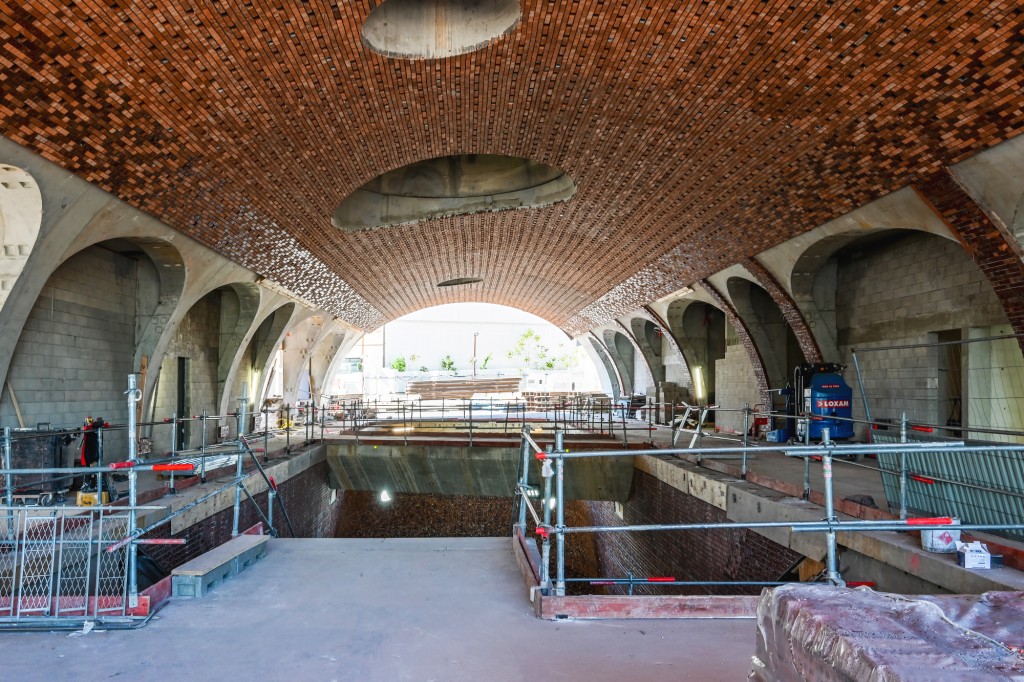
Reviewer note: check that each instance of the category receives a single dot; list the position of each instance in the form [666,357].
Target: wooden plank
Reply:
[670,606]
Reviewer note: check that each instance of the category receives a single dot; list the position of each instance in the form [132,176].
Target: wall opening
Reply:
[461,184]
[433,29]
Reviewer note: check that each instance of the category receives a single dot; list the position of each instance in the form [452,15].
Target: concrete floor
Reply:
[404,609]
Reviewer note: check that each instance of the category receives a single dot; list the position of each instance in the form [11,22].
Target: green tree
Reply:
[398,364]
[447,363]
[531,353]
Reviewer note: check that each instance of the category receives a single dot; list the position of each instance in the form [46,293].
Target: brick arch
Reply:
[990,247]
[790,311]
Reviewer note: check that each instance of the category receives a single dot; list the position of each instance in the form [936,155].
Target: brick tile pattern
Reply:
[790,312]
[698,132]
[306,496]
[720,555]
[993,251]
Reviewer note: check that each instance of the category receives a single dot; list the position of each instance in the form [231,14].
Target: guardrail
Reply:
[61,566]
[554,463]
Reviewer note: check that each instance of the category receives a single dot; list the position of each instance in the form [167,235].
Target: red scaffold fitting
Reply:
[661,579]
[541,456]
[122,465]
[542,532]
[185,466]
[922,479]
[926,429]
[273,483]
[933,521]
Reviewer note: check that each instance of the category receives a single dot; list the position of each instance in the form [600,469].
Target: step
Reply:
[197,577]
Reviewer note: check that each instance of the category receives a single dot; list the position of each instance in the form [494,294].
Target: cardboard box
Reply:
[973,555]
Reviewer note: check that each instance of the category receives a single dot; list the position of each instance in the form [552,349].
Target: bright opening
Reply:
[512,349]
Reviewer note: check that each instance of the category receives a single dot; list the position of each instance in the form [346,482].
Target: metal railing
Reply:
[554,463]
[62,566]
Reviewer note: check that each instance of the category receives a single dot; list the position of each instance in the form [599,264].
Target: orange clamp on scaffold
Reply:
[185,466]
[931,521]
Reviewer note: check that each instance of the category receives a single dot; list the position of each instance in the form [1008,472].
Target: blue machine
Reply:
[825,397]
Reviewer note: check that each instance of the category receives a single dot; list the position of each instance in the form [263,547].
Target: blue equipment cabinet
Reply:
[825,397]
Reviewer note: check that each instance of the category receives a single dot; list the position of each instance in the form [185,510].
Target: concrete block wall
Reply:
[76,349]
[197,339]
[901,294]
[734,385]
[685,555]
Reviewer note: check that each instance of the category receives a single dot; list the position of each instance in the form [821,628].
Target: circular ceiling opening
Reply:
[452,185]
[458,281]
[431,29]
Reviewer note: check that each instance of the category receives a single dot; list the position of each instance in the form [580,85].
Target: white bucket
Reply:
[942,539]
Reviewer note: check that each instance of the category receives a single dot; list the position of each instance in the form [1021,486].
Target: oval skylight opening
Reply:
[433,29]
[459,281]
[452,185]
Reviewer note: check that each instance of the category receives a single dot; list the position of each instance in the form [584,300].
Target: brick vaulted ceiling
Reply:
[698,133]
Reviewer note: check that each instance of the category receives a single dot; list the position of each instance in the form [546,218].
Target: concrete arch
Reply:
[620,350]
[683,378]
[97,312]
[753,356]
[21,217]
[775,342]
[240,302]
[263,344]
[647,336]
[597,350]
[699,329]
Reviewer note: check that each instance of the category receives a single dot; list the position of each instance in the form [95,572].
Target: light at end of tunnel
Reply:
[384,496]
[698,380]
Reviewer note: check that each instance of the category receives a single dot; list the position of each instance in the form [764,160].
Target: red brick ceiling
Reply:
[698,133]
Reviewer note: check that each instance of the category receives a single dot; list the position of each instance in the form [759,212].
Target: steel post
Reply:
[9,483]
[271,494]
[546,543]
[287,429]
[238,467]
[202,450]
[266,434]
[903,467]
[830,514]
[560,525]
[863,397]
[99,462]
[524,479]
[134,396]
[174,446]
[746,432]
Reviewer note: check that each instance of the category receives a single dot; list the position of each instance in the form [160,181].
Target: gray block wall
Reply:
[197,339]
[905,293]
[76,350]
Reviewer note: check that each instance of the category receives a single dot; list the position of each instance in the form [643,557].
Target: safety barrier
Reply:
[62,566]
[554,463]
